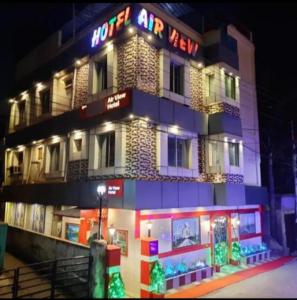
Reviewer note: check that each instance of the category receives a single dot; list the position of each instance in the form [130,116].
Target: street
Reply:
[279,283]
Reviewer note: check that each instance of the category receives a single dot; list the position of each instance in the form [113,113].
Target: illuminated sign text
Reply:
[178,40]
[150,22]
[108,29]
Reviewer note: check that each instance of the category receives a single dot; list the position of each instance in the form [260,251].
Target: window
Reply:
[247,223]
[214,158]
[68,88]
[101,75]
[77,143]
[72,232]
[106,150]
[230,86]
[234,154]
[39,153]
[176,78]
[45,101]
[178,152]
[54,157]
[20,158]
[210,85]
[22,106]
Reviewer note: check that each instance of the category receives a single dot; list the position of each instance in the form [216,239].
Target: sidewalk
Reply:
[223,279]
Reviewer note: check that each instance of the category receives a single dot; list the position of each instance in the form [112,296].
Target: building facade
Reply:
[164,117]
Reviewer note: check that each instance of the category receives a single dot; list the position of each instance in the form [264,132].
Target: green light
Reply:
[221,253]
[116,288]
[236,251]
[157,278]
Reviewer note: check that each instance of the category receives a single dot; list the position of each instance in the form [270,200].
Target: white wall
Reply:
[248,107]
[130,265]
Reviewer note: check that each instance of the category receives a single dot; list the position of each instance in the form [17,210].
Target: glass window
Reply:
[176,78]
[77,145]
[101,74]
[38,217]
[106,149]
[234,154]
[45,101]
[230,86]
[22,116]
[214,158]
[68,88]
[39,153]
[178,152]
[247,223]
[54,157]
[210,85]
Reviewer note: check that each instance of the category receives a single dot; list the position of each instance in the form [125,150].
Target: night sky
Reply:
[25,25]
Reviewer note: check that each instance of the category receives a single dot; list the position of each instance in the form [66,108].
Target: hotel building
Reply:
[165,117]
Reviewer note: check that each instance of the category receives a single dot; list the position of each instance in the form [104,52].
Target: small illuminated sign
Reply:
[111,27]
[114,101]
[115,188]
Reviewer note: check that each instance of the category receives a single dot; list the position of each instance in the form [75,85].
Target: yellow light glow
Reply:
[131,116]
[149,37]
[200,65]
[146,119]
[11,101]
[174,129]
[131,29]
[109,46]
[78,62]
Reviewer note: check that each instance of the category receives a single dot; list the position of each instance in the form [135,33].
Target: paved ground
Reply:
[279,283]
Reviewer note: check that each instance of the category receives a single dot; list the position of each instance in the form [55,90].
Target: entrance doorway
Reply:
[220,244]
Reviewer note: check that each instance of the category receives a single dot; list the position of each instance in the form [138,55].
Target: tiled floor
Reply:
[225,271]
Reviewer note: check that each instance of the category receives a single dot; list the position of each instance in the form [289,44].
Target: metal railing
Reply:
[60,278]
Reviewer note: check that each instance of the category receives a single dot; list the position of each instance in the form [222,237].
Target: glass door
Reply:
[220,239]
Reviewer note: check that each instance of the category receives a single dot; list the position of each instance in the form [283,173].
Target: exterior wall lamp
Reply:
[149,226]
[112,231]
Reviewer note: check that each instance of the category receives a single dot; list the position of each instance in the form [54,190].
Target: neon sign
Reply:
[178,40]
[108,29]
[150,22]
[144,20]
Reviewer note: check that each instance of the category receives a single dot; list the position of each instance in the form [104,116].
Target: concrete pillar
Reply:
[98,251]
[3,236]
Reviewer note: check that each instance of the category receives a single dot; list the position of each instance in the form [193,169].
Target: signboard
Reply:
[110,103]
[115,188]
[144,20]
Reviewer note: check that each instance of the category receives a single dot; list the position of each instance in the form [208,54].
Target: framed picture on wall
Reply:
[247,223]
[185,232]
[72,231]
[121,240]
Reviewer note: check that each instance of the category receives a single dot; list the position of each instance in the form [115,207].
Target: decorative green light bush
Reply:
[236,249]
[116,288]
[221,253]
[157,278]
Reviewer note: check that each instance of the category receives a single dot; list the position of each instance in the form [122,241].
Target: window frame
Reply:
[57,163]
[106,157]
[173,86]
[230,86]
[176,160]
[41,97]
[235,162]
